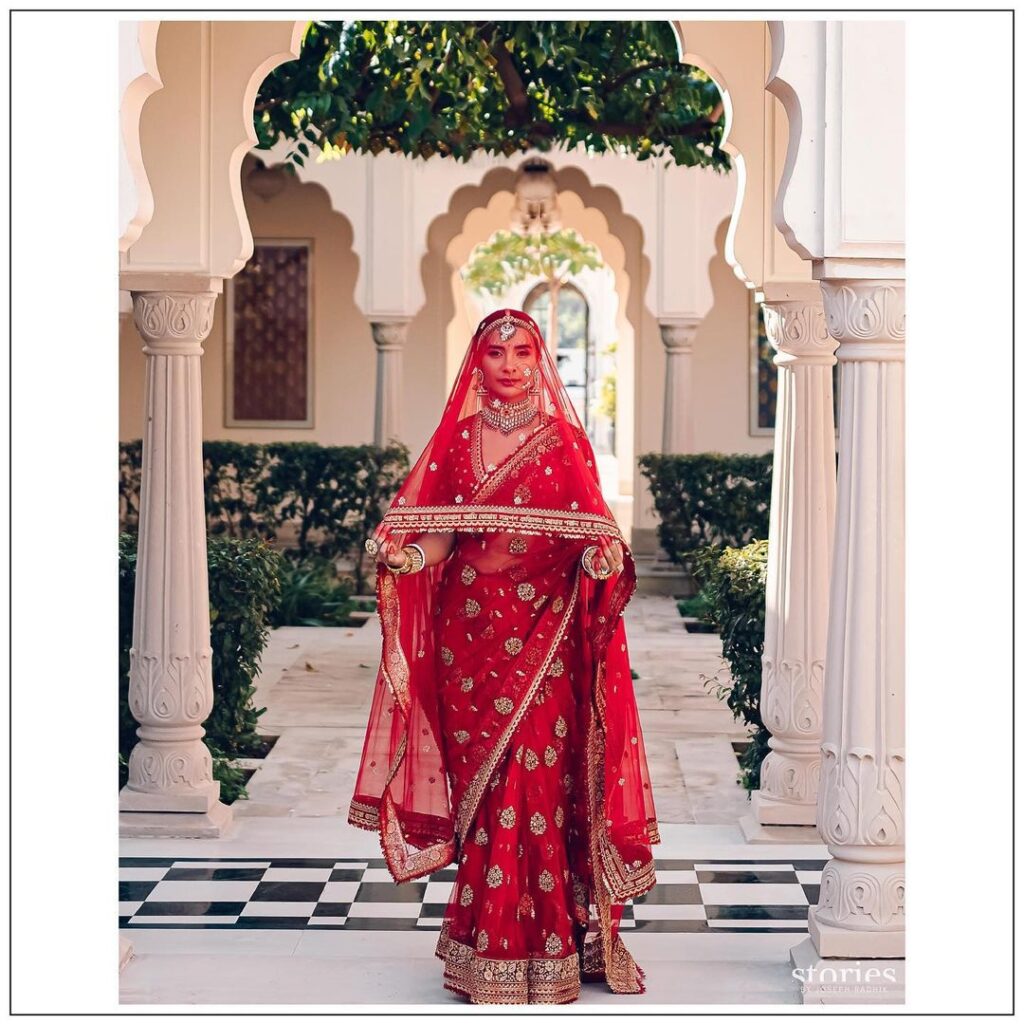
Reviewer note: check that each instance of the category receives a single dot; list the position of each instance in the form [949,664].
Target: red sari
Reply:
[504,732]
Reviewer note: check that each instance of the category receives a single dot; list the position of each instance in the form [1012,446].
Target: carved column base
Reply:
[209,825]
[861,904]
[789,784]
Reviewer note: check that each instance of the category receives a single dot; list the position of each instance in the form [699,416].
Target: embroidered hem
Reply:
[487,980]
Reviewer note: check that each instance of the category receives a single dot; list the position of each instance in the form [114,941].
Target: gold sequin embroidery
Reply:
[481,836]
[513,645]
[508,817]
[461,736]
[557,667]
[503,705]
[472,607]
[545,880]
[526,591]
[468,574]
[516,546]
[553,944]
[559,817]
[494,877]
[466,897]
[538,823]
[561,729]
[550,756]
[467,684]
[446,656]
[482,942]
[557,605]
[532,760]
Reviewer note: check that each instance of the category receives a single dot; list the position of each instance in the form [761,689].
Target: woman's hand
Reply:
[389,553]
[609,555]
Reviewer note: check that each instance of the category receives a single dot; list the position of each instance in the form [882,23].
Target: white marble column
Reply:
[861,810]
[170,789]
[800,532]
[677,426]
[389,337]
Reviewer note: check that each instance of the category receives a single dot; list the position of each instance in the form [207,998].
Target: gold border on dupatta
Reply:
[489,483]
[474,791]
[404,864]
[506,518]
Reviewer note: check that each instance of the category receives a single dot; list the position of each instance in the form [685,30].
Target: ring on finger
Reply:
[372,546]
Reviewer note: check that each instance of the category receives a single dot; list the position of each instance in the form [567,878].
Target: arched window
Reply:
[570,341]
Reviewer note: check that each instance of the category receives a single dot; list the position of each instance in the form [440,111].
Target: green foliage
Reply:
[733,582]
[244,591]
[312,595]
[696,607]
[333,496]
[455,88]
[708,498]
[509,258]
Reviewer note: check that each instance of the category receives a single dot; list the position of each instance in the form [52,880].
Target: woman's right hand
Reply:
[389,553]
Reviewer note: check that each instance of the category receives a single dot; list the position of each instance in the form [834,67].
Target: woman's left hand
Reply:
[609,555]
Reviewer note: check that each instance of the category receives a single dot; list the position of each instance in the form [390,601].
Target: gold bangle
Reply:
[415,560]
[588,564]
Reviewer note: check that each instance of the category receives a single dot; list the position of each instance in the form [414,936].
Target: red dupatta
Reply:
[402,786]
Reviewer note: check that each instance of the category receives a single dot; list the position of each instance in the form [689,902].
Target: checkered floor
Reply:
[691,896]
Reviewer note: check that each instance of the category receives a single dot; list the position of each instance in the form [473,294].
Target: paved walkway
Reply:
[294,906]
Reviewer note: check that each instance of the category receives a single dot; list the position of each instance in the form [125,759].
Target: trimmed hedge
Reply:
[733,584]
[332,496]
[244,593]
[708,499]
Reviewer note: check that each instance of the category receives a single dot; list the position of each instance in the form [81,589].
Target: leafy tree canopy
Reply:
[452,88]
[509,258]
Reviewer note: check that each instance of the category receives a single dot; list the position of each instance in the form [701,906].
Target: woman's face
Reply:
[509,366]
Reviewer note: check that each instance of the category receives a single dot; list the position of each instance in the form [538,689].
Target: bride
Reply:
[503,731]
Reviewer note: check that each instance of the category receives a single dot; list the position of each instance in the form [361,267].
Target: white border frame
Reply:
[309,422]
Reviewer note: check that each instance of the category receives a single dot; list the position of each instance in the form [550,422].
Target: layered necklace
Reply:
[509,416]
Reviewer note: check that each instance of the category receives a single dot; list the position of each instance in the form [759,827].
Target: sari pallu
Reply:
[549,633]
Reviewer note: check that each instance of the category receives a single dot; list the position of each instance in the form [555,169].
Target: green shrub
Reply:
[333,496]
[733,580]
[313,595]
[708,499]
[696,607]
[244,591]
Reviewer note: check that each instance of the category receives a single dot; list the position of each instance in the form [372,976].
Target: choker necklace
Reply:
[507,417]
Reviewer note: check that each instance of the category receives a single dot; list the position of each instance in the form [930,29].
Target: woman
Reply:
[503,731]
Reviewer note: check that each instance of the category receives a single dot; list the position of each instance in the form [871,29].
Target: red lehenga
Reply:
[503,731]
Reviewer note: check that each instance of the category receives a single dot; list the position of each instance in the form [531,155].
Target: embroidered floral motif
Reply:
[559,817]
[519,749]
[508,817]
[513,645]
[458,499]
[494,877]
[553,944]
[531,760]
[526,591]
[446,656]
[482,942]
[461,736]
[433,466]
[466,896]
[557,605]
[526,906]
[550,756]
[560,727]
[538,823]
[546,880]
[504,705]
[468,574]
[472,607]
[467,684]
[557,667]
[516,546]
[481,836]
[521,493]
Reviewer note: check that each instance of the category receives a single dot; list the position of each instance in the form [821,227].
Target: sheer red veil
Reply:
[402,785]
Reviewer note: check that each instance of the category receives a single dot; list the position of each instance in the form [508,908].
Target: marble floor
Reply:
[293,906]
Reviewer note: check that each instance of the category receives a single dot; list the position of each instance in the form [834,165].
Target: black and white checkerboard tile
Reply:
[691,895]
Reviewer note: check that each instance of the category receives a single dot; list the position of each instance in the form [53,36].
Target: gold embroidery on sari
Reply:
[471,798]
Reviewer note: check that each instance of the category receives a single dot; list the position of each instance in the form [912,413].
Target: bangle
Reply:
[415,560]
[587,560]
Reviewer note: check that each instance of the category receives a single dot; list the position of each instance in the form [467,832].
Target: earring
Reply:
[535,388]
[478,376]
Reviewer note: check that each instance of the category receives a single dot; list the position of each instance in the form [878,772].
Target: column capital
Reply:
[677,334]
[390,333]
[174,323]
[797,331]
[867,316]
